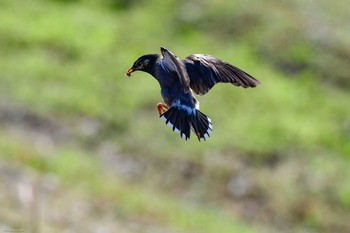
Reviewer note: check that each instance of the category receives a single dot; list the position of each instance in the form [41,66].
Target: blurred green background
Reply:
[82,148]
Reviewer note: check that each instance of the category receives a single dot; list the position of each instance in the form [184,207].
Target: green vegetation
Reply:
[277,159]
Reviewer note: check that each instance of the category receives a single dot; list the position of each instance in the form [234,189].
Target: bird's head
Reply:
[144,63]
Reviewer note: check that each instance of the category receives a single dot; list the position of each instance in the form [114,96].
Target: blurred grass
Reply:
[126,200]
[66,59]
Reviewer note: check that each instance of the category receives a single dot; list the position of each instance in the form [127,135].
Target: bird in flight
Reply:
[179,79]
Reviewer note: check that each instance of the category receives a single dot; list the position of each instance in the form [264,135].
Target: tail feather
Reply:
[186,129]
[177,125]
[204,124]
[182,121]
[171,120]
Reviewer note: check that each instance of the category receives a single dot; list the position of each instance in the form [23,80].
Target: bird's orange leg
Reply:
[162,108]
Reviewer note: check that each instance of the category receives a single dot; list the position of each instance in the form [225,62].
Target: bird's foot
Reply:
[162,108]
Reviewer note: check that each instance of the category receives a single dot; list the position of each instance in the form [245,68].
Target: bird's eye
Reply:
[138,64]
[146,62]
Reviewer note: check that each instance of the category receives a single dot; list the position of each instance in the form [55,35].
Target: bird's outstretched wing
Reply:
[174,64]
[204,71]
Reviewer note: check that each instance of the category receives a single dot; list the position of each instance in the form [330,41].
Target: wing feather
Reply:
[204,71]
[174,64]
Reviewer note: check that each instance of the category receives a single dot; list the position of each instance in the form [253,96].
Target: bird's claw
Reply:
[162,108]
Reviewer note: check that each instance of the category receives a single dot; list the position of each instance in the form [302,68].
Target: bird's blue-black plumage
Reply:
[178,80]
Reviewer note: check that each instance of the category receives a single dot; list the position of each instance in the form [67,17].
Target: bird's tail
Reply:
[181,120]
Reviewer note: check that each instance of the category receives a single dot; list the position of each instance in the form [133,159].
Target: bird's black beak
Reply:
[129,71]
